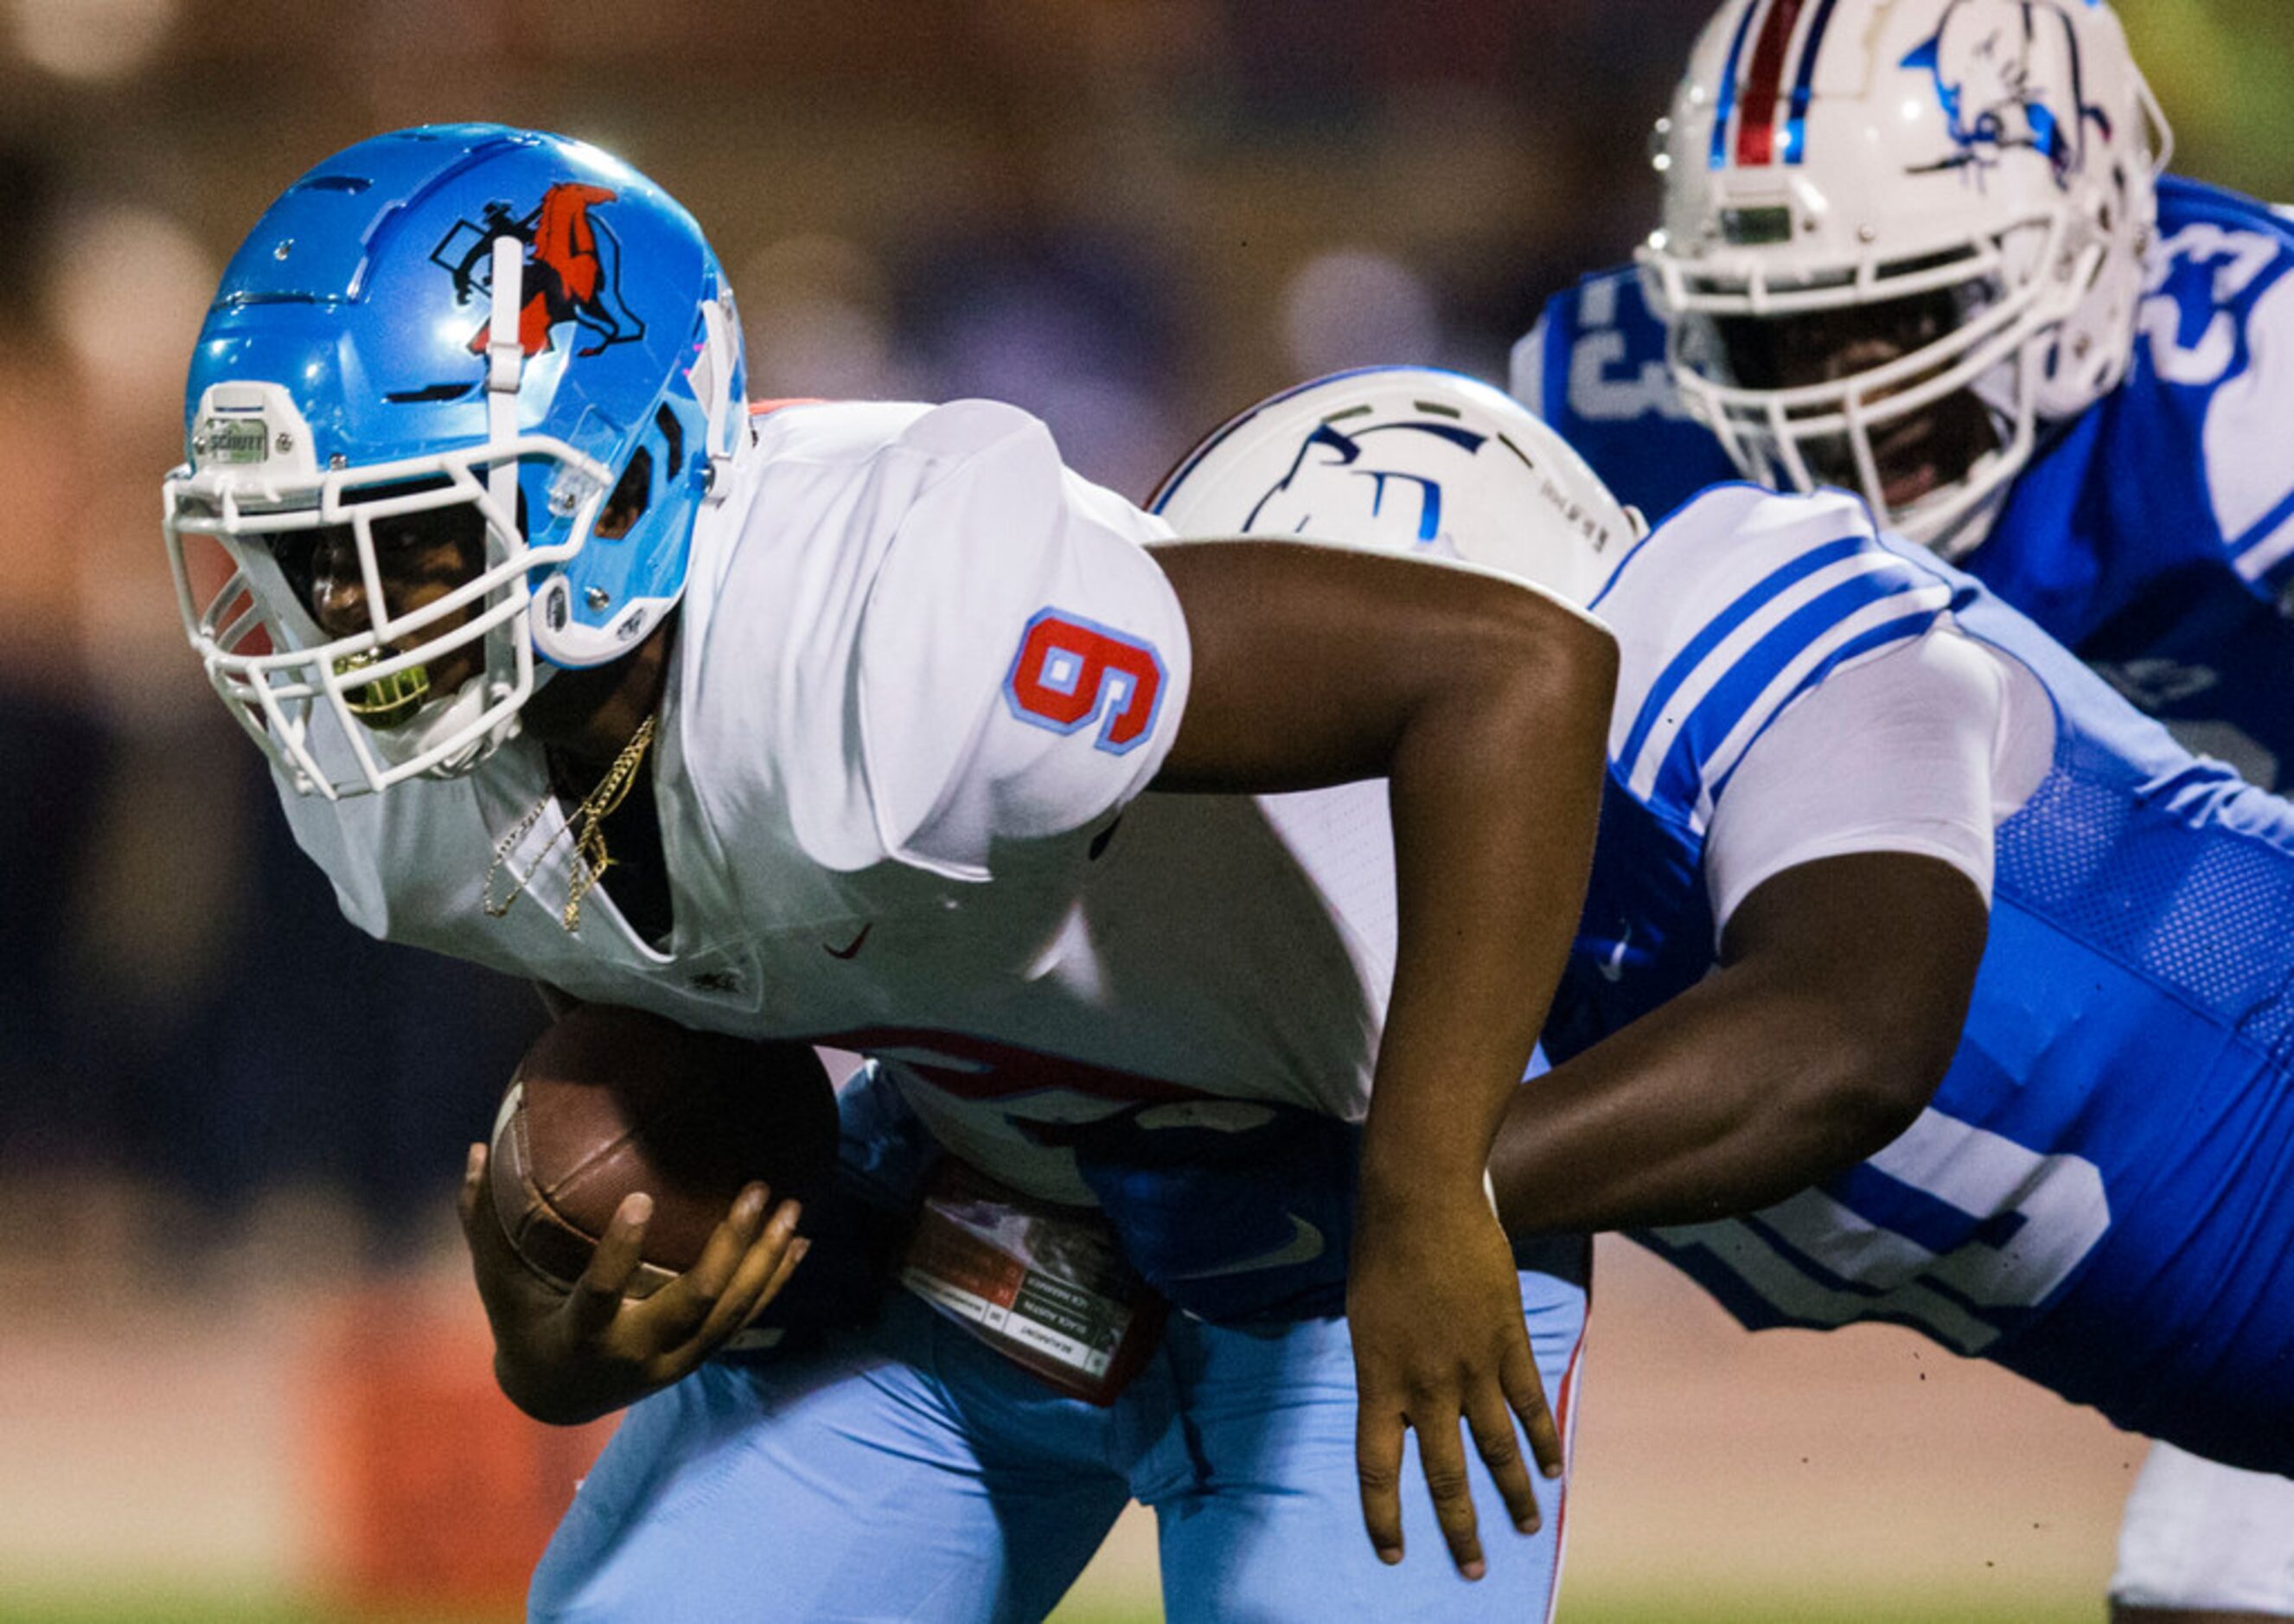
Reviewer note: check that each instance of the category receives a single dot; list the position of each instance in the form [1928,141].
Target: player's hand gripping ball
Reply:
[611,1101]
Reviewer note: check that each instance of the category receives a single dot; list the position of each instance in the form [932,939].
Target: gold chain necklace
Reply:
[588,827]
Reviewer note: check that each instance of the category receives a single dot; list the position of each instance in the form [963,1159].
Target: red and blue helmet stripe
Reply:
[1752,83]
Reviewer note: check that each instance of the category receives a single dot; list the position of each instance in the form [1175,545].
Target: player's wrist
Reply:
[1420,1173]
[550,1391]
[1437,1202]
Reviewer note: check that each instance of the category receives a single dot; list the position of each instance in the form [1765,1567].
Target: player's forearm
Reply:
[1491,865]
[1735,1094]
[1485,705]
[1819,1041]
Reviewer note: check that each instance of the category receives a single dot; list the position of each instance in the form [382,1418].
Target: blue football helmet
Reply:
[471,325]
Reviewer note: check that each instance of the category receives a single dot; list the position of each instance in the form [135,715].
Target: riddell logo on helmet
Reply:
[2007,74]
[572,269]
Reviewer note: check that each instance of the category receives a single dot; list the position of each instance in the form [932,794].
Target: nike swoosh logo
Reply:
[1304,1246]
[1613,968]
[851,947]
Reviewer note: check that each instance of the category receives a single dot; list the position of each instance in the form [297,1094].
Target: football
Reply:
[609,1101]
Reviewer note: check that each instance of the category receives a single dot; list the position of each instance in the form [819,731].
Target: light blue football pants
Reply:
[905,1472]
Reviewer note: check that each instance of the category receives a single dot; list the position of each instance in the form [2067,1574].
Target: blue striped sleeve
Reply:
[1825,603]
[1700,648]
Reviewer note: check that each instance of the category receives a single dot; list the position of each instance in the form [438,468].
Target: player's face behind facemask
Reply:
[403,445]
[1919,442]
[418,560]
[1956,194]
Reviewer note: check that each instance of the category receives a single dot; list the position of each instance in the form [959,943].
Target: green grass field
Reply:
[159,1607]
[1826,1610]
[1778,1610]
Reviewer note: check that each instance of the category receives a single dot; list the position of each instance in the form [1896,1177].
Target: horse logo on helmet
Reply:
[573,268]
[2007,75]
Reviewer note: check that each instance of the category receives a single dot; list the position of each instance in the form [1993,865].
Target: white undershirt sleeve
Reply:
[1899,754]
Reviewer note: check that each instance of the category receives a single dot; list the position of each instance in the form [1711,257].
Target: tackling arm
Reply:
[1817,1041]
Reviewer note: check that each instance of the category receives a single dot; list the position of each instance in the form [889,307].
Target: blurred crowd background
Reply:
[1132,216]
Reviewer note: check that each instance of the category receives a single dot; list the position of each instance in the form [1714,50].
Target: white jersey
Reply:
[923,673]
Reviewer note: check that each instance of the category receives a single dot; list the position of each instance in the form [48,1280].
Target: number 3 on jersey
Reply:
[1070,671]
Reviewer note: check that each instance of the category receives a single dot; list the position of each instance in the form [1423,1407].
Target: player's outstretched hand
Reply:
[1436,1309]
[570,1357]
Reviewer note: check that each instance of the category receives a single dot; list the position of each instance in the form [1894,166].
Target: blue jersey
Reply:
[2100,1194]
[2153,533]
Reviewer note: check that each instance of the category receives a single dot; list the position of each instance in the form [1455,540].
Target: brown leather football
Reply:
[608,1101]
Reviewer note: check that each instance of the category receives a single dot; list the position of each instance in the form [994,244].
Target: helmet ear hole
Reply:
[630,498]
[633,493]
[672,438]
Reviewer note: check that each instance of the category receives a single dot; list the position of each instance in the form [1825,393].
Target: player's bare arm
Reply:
[1817,1041]
[1311,667]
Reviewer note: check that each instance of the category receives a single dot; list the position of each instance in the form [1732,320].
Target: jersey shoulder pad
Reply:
[2184,201]
[832,430]
[850,633]
[1728,611]
[1602,356]
[1023,661]
[901,446]
[1537,372]
[2207,283]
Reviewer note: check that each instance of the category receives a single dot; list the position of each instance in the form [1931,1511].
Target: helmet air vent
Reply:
[433,392]
[1918,262]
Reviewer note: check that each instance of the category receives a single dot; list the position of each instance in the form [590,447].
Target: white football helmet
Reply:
[1899,236]
[1411,459]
